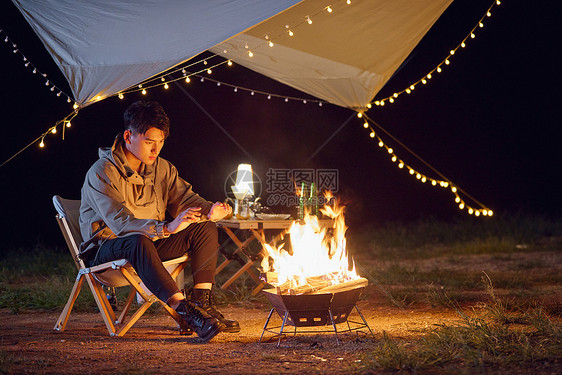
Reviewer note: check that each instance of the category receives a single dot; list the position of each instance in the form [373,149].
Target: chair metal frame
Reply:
[113,274]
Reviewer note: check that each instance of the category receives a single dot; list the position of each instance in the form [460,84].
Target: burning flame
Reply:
[315,253]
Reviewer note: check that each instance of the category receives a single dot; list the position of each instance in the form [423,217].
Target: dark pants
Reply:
[200,241]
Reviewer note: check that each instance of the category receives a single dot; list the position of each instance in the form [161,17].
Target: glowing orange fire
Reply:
[315,252]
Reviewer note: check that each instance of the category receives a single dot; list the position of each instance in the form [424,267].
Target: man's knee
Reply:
[139,243]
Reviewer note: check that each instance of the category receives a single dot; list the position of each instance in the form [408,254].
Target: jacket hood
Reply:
[116,156]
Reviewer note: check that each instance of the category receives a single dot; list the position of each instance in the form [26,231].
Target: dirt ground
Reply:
[153,345]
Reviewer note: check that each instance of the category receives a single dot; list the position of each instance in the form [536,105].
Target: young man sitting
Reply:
[126,196]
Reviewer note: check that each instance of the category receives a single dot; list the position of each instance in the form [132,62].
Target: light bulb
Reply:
[250,54]
[463,44]
[270,43]
[369,105]
[461,206]
[291,33]
[269,97]
[229,63]
[381,144]
[144,91]
[424,179]
[308,20]
[429,76]
[401,165]
[166,86]
[382,103]
[68,124]
[457,199]
[348,2]
[54,131]
[412,87]
[447,62]
[452,52]
[433,182]
[391,100]
[209,71]
[480,24]
[42,144]
[418,176]
[394,158]
[439,70]
[472,35]
[366,125]
[359,114]
[408,91]
[424,81]
[412,171]
[489,14]
[187,80]
[329,9]
[372,135]
[75,106]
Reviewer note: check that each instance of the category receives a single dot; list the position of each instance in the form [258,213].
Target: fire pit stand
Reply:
[308,310]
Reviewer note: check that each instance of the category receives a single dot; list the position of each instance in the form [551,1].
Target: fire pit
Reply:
[318,309]
[314,280]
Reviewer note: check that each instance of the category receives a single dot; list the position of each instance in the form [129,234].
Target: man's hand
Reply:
[218,211]
[182,221]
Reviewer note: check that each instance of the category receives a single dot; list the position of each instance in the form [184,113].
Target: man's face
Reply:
[143,147]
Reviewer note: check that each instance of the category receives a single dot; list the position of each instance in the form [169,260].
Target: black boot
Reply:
[199,320]
[205,299]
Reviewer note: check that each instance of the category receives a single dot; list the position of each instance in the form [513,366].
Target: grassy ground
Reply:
[502,276]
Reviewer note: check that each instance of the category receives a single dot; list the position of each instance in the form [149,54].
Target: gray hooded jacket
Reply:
[118,202]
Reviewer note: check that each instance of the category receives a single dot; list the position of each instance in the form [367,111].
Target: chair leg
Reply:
[101,301]
[141,310]
[149,300]
[128,303]
[63,318]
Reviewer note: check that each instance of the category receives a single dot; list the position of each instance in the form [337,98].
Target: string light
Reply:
[443,183]
[446,61]
[28,63]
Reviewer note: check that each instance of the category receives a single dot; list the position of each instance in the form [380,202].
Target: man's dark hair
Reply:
[142,115]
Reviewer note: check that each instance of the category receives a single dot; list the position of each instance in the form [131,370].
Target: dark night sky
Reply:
[489,123]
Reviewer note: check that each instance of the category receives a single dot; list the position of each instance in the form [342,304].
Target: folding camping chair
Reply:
[112,274]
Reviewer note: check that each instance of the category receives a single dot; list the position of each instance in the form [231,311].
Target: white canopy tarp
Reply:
[103,47]
[344,57]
